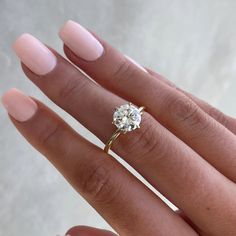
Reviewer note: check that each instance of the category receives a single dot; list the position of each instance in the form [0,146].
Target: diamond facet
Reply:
[127,117]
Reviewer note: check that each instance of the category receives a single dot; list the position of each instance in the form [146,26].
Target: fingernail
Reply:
[18,105]
[80,41]
[136,63]
[34,54]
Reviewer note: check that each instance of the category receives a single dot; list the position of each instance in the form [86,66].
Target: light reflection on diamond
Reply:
[127,117]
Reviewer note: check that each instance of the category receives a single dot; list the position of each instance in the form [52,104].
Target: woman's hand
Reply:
[185,148]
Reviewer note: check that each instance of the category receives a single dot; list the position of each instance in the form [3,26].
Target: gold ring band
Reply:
[126,118]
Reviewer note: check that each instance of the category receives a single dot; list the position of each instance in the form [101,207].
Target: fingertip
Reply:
[18,105]
[34,54]
[8,94]
[65,26]
[18,41]
[81,41]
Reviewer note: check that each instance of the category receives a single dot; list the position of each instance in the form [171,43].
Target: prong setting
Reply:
[127,117]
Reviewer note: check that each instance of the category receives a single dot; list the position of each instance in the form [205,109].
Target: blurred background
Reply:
[193,43]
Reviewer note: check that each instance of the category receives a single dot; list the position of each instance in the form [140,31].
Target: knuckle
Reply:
[73,86]
[124,70]
[218,116]
[49,135]
[143,142]
[97,183]
[183,109]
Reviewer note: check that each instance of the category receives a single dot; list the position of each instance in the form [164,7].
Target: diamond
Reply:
[127,117]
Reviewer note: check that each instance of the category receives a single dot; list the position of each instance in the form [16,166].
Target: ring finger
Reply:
[170,107]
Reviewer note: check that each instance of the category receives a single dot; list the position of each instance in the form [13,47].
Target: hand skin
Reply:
[185,148]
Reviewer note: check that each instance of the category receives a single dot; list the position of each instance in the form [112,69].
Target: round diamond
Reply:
[127,117]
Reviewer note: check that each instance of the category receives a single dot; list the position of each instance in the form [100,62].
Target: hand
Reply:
[185,148]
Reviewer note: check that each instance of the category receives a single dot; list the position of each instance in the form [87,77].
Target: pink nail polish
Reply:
[18,105]
[34,54]
[80,41]
[136,63]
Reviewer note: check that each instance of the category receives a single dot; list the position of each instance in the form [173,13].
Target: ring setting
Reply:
[126,118]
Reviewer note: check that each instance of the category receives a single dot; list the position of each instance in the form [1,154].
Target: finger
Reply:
[186,219]
[88,231]
[119,197]
[172,108]
[152,150]
[225,120]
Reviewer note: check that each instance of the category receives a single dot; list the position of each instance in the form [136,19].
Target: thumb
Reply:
[88,231]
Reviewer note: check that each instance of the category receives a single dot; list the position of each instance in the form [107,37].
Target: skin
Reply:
[185,148]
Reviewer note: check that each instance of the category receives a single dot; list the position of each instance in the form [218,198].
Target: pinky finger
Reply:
[225,120]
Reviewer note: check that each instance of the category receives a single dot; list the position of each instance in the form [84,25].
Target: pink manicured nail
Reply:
[18,105]
[80,41]
[136,63]
[35,55]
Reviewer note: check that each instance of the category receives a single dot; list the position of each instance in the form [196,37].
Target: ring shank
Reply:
[111,140]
